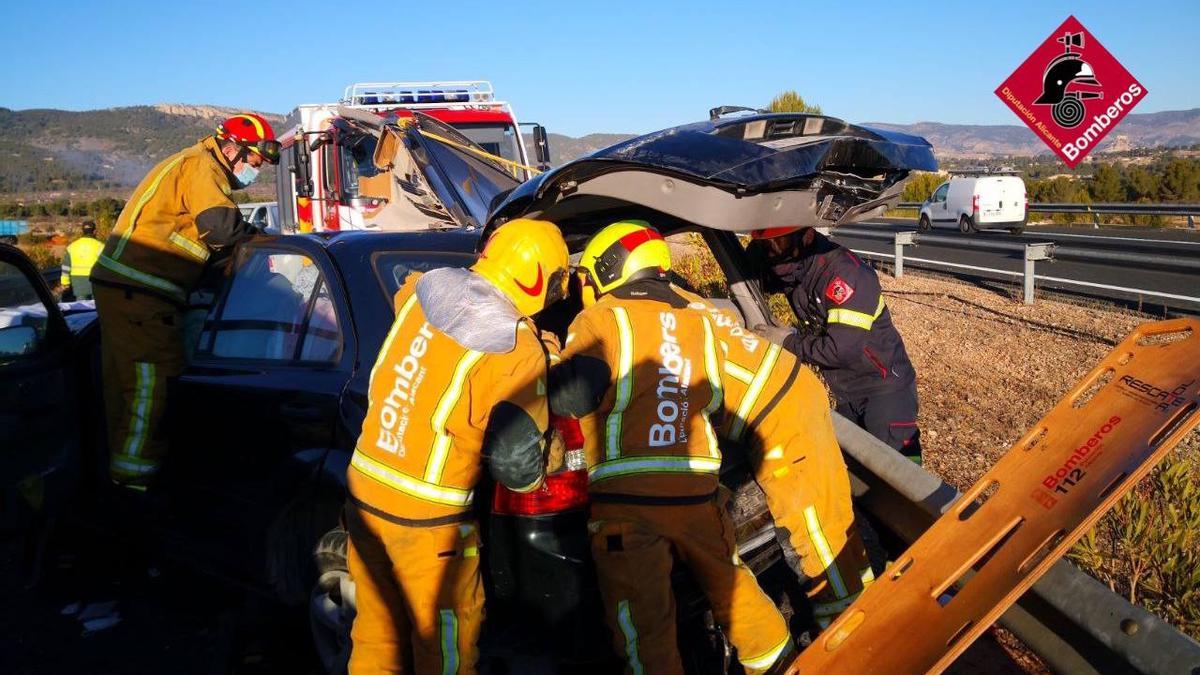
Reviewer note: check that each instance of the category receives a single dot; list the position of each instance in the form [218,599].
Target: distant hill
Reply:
[111,150]
[48,150]
[1172,128]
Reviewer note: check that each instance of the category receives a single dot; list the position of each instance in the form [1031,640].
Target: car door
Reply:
[939,213]
[39,425]
[263,387]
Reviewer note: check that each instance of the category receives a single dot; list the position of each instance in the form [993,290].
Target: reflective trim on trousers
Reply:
[414,487]
[766,659]
[449,631]
[624,384]
[133,466]
[654,464]
[824,552]
[139,414]
[629,631]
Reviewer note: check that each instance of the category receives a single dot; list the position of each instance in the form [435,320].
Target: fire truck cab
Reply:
[328,149]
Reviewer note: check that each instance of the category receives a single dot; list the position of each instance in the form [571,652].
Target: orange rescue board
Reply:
[1007,530]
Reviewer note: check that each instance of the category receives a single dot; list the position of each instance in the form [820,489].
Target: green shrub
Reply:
[43,256]
[1148,547]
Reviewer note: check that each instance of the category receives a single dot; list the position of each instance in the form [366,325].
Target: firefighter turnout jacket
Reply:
[163,236]
[442,398]
[846,329]
[653,375]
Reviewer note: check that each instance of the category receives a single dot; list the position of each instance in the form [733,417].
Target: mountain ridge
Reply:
[47,150]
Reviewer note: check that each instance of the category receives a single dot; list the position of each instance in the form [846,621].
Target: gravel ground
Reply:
[989,367]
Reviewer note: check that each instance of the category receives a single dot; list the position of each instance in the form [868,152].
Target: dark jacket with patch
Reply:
[846,329]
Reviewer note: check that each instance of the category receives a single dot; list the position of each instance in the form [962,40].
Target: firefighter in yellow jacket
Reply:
[650,369]
[778,411]
[152,260]
[461,377]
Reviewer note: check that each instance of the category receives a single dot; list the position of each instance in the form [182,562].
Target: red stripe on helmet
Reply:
[636,239]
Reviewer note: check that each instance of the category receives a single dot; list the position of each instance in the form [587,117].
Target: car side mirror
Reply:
[18,340]
[541,147]
[302,167]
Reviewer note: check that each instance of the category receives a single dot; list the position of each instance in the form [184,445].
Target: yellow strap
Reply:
[482,153]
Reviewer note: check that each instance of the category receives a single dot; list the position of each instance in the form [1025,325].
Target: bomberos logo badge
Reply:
[1071,92]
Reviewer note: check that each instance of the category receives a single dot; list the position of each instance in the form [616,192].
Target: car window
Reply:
[939,195]
[278,308]
[393,268]
[23,318]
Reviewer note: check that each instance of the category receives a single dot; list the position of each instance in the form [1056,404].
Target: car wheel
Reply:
[1017,230]
[923,224]
[965,225]
[331,607]
[291,541]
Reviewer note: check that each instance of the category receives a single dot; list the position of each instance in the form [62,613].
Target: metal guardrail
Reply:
[1075,623]
[1031,253]
[1190,211]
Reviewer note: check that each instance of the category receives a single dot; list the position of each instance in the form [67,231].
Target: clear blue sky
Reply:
[580,67]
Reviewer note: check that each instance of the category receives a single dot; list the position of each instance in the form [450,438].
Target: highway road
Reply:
[1170,286]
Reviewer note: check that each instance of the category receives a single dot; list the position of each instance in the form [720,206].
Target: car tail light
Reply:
[975,203]
[1026,203]
[562,491]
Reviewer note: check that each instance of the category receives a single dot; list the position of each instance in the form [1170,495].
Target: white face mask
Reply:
[247,174]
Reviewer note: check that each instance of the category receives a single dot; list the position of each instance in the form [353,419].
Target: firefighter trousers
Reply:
[890,416]
[807,488]
[634,547]
[141,347]
[419,596]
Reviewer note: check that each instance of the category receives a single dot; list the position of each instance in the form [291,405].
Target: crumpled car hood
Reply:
[737,174]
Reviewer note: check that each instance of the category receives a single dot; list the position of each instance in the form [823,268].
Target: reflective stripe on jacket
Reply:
[163,236]
[430,404]
[650,369]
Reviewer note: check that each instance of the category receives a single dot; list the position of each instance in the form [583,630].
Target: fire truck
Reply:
[329,147]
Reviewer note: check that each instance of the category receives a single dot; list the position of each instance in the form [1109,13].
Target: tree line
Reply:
[1175,180]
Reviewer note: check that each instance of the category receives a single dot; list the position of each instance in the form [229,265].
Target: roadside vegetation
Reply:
[988,368]
[1174,180]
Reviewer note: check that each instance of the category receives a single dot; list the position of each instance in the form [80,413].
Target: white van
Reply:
[973,202]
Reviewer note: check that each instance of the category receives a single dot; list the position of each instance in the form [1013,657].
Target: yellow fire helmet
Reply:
[527,260]
[622,252]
